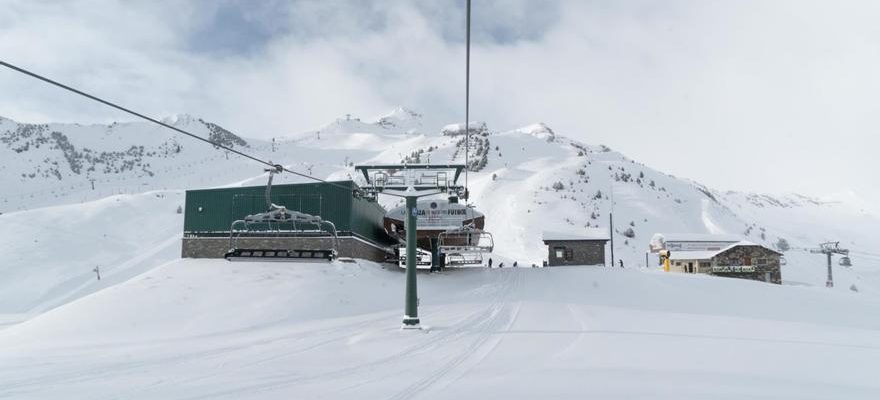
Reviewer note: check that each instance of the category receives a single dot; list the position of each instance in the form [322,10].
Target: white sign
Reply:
[437,213]
[734,268]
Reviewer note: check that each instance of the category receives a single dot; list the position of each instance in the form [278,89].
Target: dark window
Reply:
[569,254]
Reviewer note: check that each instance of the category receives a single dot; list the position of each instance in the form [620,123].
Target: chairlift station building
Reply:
[209,214]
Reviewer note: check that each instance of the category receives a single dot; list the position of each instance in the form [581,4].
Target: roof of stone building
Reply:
[586,234]
[705,255]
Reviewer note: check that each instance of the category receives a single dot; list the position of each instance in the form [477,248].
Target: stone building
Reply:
[587,248]
[744,260]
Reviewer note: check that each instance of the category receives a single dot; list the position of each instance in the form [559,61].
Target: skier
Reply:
[490,262]
[500,265]
[514,264]
[621,263]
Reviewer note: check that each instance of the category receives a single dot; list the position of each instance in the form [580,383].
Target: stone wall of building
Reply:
[584,252]
[763,259]
[216,247]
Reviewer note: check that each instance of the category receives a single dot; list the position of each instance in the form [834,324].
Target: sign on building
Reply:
[733,268]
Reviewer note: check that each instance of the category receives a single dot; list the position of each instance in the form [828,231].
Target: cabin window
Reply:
[560,252]
[705,264]
[569,254]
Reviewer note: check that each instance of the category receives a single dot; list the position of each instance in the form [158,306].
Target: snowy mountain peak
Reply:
[400,113]
[401,118]
[179,119]
[539,130]
[476,127]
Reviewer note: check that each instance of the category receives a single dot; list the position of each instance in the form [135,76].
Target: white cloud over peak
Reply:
[773,96]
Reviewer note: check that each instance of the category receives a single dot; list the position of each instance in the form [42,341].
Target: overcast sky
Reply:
[770,96]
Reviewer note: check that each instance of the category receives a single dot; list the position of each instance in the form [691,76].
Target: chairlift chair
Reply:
[464,259]
[465,246]
[280,216]
[423,258]
[845,261]
[466,240]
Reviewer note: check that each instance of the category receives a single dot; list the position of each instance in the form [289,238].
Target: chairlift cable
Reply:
[155,121]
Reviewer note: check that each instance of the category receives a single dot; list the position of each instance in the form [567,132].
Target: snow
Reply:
[693,255]
[214,329]
[698,237]
[157,326]
[707,254]
[586,234]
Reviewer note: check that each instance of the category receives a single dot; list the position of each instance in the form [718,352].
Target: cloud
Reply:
[771,96]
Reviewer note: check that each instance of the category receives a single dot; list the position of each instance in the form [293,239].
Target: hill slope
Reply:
[525,180]
[212,329]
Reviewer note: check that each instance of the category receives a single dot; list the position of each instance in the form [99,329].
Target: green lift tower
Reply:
[411,181]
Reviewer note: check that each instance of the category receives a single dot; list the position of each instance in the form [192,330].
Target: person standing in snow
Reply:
[621,263]
[514,264]
[490,262]
[500,265]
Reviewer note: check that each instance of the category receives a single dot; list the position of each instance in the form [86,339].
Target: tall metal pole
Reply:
[830,281]
[611,229]
[467,104]
[611,223]
[411,310]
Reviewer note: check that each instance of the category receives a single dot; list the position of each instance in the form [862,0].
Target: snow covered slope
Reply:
[532,179]
[156,326]
[211,329]
[525,180]
[50,253]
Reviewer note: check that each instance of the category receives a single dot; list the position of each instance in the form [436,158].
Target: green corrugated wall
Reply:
[211,211]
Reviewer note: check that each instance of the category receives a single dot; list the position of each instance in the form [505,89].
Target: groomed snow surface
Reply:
[210,329]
